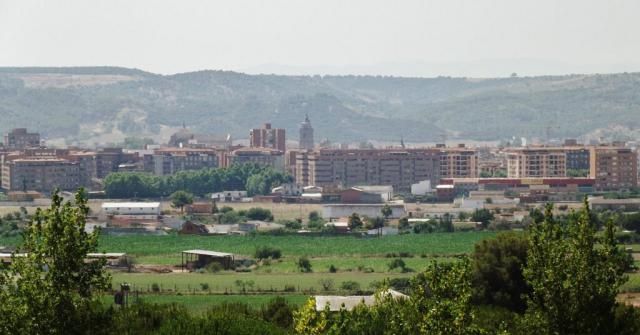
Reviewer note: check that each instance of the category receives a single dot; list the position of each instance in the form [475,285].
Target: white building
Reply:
[421,188]
[132,208]
[385,191]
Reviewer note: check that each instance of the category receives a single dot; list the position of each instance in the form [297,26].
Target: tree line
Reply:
[253,178]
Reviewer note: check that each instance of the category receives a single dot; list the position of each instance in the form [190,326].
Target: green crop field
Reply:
[342,251]
[297,245]
[227,282]
[199,303]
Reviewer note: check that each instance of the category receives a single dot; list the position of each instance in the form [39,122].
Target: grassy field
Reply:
[199,303]
[297,245]
[226,282]
[166,249]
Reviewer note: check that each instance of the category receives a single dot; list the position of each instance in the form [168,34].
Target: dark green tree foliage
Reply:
[179,199]
[267,252]
[226,319]
[439,304]
[198,182]
[354,221]
[482,215]
[53,290]
[304,264]
[261,214]
[574,276]
[497,271]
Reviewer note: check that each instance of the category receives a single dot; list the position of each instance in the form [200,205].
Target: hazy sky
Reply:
[401,37]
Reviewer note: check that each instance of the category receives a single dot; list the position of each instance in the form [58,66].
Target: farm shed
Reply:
[196,259]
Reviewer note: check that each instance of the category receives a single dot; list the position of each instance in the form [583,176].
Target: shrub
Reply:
[268,252]
[289,288]
[278,312]
[333,269]
[304,264]
[226,209]
[350,285]
[204,286]
[397,263]
[257,213]
[293,225]
[400,284]
[155,287]
[327,284]
[214,267]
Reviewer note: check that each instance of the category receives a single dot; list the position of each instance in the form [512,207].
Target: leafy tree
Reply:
[226,209]
[314,216]
[445,223]
[268,252]
[403,224]
[482,215]
[386,211]
[326,283]
[497,271]
[354,221]
[536,215]
[574,281]
[397,263]
[53,290]
[376,223]
[214,208]
[179,199]
[442,297]
[262,214]
[304,264]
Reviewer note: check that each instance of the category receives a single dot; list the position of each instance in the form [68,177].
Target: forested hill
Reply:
[108,102]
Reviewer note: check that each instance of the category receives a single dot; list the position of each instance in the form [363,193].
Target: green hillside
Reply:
[81,103]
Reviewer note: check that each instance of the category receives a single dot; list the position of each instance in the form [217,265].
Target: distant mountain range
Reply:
[89,104]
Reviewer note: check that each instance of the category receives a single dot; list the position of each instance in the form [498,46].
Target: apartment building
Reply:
[261,156]
[42,174]
[350,167]
[109,159]
[267,137]
[536,162]
[19,138]
[167,161]
[458,162]
[613,167]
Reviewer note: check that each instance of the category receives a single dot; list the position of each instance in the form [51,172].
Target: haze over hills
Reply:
[109,103]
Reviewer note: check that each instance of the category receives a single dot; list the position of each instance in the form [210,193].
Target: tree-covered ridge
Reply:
[252,178]
[341,108]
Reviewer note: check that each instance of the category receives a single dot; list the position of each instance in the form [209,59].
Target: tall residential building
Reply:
[578,158]
[267,137]
[536,162]
[260,156]
[40,174]
[614,167]
[109,160]
[167,161]
[458,162]
[19,138]
[306,134]
[345,168]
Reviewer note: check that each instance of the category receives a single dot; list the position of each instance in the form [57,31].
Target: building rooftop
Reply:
[207,253]
[130,204]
